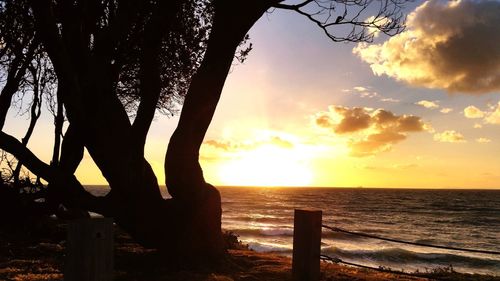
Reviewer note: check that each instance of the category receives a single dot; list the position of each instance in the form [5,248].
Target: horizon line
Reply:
[337,187]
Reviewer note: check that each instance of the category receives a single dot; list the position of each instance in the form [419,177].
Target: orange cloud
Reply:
[446,110]
[343,119]
[218,144]
[370,131]
[494,116]
[483,140]
[428,104]
[491,116]
[449,136]
[451,45]
[352,120]
[249,145]
[473,112]
[375,143]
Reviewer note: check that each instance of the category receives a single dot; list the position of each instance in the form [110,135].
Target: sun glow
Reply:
[267,165]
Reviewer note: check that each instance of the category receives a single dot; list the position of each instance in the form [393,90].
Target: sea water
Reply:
[263,219]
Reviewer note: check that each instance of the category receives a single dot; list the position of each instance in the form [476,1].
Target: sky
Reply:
[420,109]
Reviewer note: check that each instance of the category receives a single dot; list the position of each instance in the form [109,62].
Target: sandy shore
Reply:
[23,257]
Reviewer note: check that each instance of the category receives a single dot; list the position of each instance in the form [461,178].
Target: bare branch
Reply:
[36,110]
[15,74]
[353,14]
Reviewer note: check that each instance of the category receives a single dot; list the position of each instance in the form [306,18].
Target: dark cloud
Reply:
[451,45]
[351,119]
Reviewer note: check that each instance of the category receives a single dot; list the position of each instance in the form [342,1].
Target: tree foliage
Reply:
[108,65]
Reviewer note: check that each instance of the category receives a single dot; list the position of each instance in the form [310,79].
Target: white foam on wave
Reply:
[277,231]
[266,247]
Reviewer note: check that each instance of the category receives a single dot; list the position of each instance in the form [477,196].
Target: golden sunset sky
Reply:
[421,109]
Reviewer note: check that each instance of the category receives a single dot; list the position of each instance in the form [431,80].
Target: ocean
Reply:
[263,218]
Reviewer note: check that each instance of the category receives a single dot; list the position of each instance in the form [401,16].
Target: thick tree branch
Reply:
[72,150]
[292,7]
[159,24]
[67,186]
[23,154]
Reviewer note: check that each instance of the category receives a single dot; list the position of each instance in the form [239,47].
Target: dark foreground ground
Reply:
[39,255]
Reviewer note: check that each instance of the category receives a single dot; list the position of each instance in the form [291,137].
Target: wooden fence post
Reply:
[306,245]
[89,250]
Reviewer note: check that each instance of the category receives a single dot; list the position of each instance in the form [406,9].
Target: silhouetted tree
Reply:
[116,63]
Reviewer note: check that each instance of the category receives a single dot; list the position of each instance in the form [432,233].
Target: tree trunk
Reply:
[197,203]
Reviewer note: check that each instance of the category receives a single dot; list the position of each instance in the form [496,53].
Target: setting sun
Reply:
[267,165]
[233,139]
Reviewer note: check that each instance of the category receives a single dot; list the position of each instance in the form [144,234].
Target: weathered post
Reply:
[306,245]
[89,250]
